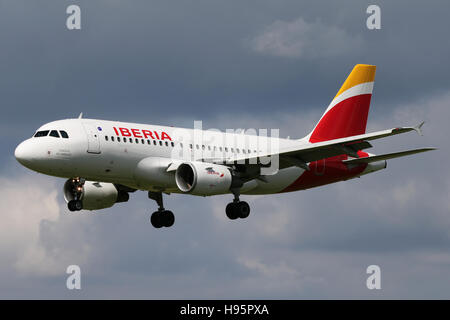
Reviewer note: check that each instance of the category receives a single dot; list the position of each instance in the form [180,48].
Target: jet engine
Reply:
[203,179]
[91,195]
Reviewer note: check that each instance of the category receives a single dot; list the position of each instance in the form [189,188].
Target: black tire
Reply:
[156,219]
[243,209]
[168,218]
[78,205]
[231,211]
[71,206]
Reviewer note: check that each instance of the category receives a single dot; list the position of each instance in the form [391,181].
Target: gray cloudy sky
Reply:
[232,64]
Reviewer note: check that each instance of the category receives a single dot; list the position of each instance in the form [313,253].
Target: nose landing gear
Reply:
[77,191]
[162,217]
[75,205]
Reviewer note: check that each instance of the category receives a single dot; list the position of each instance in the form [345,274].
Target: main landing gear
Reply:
[77,190]
[237,208]
[162,217]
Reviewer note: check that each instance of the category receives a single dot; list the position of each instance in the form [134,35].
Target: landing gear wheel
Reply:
[162,218]
[239,209]
[243,209]
[168,219]
[71,206]
[78,205]
[231,211]
[75,205]
[156,219]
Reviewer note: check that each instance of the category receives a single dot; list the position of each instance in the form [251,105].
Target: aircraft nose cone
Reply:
[22,153]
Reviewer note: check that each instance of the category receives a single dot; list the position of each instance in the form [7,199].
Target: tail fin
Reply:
[347,113]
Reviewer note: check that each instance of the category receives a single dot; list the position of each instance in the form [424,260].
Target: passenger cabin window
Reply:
[112,138]
[41,133]
[64,134]
[106,138]
[154,142]
[167,144]
[118,139]
[54,133]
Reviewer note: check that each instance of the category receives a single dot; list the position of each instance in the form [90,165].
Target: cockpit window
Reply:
[41,134]
[54,133]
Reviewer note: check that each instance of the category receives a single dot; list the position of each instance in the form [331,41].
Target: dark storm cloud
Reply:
[143,59]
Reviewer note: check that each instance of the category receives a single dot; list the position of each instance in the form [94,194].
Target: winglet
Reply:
[418,128]
[80,116]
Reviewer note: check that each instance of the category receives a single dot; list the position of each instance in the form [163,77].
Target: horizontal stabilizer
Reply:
[386,156]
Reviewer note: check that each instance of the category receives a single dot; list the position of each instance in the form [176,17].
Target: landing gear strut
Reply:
[162,217]
[77,190]
[237,208]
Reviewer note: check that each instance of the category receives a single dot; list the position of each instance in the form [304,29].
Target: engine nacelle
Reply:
[203,179]
[94,195]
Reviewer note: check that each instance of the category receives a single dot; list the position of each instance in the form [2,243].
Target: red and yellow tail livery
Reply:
[347,113]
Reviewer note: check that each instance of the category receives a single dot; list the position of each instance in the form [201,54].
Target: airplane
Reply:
[104,161]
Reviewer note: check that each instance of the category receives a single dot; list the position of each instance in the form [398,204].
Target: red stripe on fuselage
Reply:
[347,118]
[326,171]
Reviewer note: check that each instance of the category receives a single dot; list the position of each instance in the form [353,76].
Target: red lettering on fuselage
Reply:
[165,136]
[125,132]
[147,133]
[136,133]
[141,133]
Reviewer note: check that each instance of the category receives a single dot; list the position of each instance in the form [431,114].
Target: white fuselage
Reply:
[110,151]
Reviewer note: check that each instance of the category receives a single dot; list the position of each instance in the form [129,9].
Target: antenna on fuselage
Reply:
[80,116]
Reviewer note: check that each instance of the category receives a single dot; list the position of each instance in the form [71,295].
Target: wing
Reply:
[307,152]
